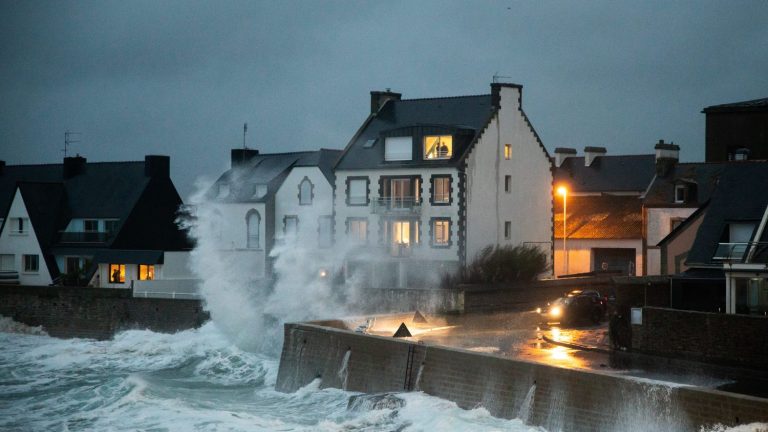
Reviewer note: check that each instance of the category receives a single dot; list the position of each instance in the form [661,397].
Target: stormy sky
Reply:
[181,77]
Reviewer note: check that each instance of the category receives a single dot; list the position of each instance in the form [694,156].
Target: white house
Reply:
[264,198]
[425,184]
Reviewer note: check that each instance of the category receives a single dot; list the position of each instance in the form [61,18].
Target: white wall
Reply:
[580,257]
[287,203]
[658,226]
[528,206]
[23,244]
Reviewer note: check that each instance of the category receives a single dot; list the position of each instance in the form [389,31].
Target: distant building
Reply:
[106,224]
[737,131]
[425,184]
[265,197]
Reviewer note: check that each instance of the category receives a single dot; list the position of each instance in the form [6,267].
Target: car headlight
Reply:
[556,311]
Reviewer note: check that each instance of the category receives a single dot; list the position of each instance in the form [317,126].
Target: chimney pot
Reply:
[592,153]
[563,153]
[240,157]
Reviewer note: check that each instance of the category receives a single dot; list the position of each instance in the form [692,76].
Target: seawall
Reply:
[562,399]
[96,313]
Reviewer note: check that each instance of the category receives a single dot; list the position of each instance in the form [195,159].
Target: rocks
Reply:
[376,401]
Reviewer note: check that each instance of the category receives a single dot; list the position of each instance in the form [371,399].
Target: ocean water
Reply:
[195,380]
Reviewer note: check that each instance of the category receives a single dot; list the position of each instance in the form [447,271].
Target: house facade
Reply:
[425,184]
[265,199]
[737,131]
[109,224]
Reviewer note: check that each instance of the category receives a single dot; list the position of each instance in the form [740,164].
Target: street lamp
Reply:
[564,192]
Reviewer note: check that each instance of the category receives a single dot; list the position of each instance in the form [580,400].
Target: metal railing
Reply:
[396,205]
[741,252]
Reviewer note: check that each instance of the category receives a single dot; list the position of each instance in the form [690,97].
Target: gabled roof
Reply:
[750,105]
[629,173]
[600,217]
[46,205]
[270,169]
[465,115]
[738,197]
[700,177]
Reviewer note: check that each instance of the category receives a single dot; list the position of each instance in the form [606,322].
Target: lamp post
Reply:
[564,192]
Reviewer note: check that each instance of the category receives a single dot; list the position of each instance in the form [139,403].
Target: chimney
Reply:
[496,92]
[379,98]
[667,155]
[563,153]
[157,166]
[73,166]
[592,153]
[242,156]
[2,167]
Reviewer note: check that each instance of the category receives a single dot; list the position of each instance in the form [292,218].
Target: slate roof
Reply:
[48,211]
[700,177]
[750,105]
[600,217]
[270,169]
[466,115]
[738,197]
[629,173]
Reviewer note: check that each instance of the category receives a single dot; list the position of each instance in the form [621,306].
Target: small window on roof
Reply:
[370,143]
[681,193]
[260,191]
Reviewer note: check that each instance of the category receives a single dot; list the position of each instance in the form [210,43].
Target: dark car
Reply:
[576,307]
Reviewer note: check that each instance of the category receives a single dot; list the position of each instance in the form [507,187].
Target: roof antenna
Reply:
[245,131]
[497,78]
[70,138]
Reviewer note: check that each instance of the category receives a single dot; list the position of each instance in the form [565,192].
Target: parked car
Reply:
[576,307]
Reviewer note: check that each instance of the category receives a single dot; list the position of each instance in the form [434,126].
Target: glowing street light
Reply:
[564,192]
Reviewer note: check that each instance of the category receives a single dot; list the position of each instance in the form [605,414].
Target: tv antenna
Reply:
[245,131]
[497,77]
[70,138]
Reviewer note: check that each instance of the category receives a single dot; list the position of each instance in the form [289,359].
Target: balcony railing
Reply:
[742,252]
[400,205]
[84,237]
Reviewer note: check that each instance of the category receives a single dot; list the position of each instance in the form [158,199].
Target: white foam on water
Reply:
[751,427]
[8,325]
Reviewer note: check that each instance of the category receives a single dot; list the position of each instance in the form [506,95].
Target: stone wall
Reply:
[732,340]
[96,313]
[562,399]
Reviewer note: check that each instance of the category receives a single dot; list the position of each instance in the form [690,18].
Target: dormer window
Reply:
[260,191]
[681,194]
[438,147]
[398,149]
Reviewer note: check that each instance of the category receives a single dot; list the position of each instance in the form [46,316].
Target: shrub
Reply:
[504,264]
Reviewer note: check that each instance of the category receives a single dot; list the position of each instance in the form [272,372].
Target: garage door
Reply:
[616,259]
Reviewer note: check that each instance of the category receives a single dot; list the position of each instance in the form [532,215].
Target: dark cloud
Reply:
[180,78]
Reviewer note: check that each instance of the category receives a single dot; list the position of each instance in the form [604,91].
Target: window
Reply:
[357,229]
[117,273]
[110,226]
[31,263]
[324,232]
[507,230]
[441,190]
[7,262]
[507,183]
[260,190]
[305,192]
[291,225]
[357,191]
[507,151]
[91,225]
[73,265]
[398,149]
[441,232]
[401,235]
[438,147]
[146,272]
[19,225]
[253,229]
[675,222]
[680,194]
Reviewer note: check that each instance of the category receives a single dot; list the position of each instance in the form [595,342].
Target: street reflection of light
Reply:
[555,334]
[559,353]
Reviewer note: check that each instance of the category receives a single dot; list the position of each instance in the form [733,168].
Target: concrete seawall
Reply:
[562,399]
[96,313]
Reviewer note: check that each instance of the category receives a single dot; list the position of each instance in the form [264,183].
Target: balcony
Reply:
[89,237]
[742,252]
[396,206]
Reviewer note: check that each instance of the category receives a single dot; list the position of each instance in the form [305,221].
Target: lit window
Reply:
[507,230]
[117,273]
[7,262]
[441,190]
[402,235]
[438,147]
[91,225]
[441,232]
[507,183]
[357,229]
[507,151]
[324,232]
[357,191]
[305,192]
[146,272]
[398,149]
[31,263]
[253,228]
[680,194]
[291,225]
